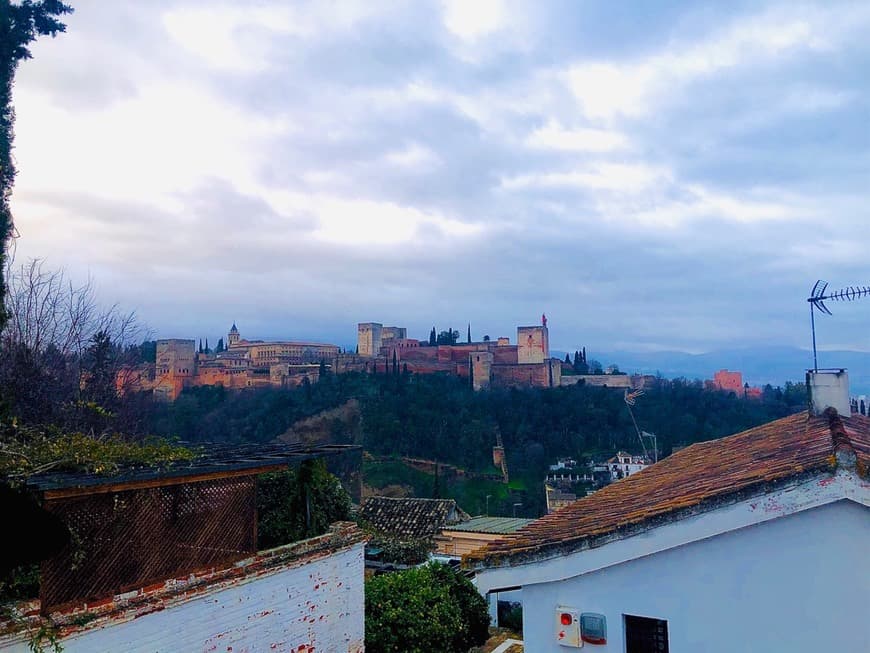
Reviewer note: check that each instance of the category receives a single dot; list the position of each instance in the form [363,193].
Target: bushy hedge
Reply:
[425,609]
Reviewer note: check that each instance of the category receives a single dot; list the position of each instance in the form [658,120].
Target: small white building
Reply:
[754,542]
[625,464]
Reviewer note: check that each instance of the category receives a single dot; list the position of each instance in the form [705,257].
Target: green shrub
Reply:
[430,608]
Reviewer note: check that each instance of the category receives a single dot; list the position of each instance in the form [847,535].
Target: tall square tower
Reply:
[369,338]
[533,344]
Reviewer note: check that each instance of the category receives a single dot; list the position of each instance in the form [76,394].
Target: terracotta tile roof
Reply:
[410,518]
[700,474]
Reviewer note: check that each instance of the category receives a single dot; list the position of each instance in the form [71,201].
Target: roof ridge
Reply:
[841,444]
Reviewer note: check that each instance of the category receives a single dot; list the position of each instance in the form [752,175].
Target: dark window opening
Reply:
[645,635]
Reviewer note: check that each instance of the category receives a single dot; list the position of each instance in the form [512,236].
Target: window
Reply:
[645,635]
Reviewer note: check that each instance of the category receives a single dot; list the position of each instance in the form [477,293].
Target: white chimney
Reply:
[829,388]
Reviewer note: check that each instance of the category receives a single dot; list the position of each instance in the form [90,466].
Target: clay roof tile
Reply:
[703,472]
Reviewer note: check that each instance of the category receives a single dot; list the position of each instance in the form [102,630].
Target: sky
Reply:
[652,176]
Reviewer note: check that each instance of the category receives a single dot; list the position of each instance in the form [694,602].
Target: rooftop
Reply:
[410,518]
[495,525]
[697,477]
[216,460]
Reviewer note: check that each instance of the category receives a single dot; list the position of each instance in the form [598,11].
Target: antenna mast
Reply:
[629,398]
[817,301]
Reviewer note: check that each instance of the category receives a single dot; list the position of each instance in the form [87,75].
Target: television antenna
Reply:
[817,301]
[629,398]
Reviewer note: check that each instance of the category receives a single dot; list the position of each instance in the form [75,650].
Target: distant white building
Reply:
[625,464]
[757,542]
[563,463]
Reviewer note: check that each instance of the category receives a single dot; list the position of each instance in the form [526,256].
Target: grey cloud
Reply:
[605,278]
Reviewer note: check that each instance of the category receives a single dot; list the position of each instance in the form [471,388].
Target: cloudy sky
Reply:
[650,175]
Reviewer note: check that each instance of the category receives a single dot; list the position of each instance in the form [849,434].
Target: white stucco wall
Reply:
[313,607]
[798,583]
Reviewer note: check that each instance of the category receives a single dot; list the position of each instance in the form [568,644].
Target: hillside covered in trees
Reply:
[440,418]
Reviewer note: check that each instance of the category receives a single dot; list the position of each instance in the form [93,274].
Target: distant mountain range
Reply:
[759,365]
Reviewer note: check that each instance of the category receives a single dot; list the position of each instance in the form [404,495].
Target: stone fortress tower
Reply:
[533,345]
[480,364]
[369,338]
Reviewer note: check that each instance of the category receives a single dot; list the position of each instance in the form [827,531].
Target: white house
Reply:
[624,464]
[754,542]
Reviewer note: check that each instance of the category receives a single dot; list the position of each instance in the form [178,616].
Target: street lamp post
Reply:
[515,508]
[487,504]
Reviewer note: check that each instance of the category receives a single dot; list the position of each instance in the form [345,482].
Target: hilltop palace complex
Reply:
[380,349]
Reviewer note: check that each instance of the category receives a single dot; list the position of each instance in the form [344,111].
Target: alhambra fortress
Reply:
[380,349]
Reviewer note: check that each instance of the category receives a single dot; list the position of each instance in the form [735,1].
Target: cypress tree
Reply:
[469,332]
[433,339]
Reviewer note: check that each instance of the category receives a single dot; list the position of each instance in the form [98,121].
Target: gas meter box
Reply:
[568,627]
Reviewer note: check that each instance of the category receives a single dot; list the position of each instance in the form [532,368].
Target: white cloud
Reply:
[236,38]
[621,177]
[414,157]
[699,204]
[372,223]
[553,136]
[167,138]
[606,90]
[472,19]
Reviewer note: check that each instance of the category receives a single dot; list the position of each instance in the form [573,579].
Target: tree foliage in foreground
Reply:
[20,25]
[60,354]
[299,503]
[431,608]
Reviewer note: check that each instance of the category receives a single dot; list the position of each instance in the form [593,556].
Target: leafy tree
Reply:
[430,608]
[580,365]
[298,504]
[20,25]
[486,338]
[401,552]
[449,337]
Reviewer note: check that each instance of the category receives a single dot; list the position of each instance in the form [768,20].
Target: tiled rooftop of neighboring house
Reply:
[695,477]
[410,518]
[494,525]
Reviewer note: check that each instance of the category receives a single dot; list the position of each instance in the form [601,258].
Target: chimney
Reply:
[829,388]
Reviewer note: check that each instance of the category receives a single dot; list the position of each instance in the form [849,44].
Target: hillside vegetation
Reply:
[440,418]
